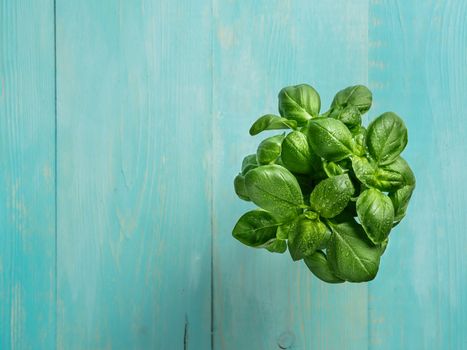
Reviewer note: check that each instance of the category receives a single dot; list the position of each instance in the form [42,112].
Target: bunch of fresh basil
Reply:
[330,190]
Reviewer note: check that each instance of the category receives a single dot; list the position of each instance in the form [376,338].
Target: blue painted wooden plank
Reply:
[265,301]
[418,59]
[134,128]
[27,167]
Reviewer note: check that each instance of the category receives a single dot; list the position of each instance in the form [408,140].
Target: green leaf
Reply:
[277,246]
[296,153]
[275,189]
[376,214]
[255,228]
[384,245]
[358,96]
[299,103]
[349,115]
[386,178]
[386,138]
[240,188]
[271,122]
[326,239]
[352,257]
[359,136]
[333,169]
[269,149]
[400,200]
[307,238]
[320,267]
[331,195]
[287,229]
[249,162]
[329,138]
[311,215]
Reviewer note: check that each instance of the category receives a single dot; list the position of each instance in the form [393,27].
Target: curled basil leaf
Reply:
[358,96]
[400,200]
[249,162]
[333,169]
[331,196]
[376,213]
[275,189]
[271,122]
[330,139]
[307,238]
[384,245]
[277,246]
[296,153]
[255,228]
[320,267]
[240,188]
[299,103]
[349,115]
[269,149]
[386,138]
[352,257]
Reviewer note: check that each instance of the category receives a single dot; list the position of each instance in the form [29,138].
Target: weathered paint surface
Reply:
[27,180]
[122,125]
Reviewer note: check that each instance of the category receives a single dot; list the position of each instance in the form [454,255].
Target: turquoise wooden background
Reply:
[122,125]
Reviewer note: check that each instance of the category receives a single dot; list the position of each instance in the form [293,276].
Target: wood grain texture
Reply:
[134,132]
[155,99]
[262,300]
[418,68]
[27,163]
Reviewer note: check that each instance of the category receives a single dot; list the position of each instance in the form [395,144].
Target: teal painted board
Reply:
[27,167]
[134,141]
[418,68]
[262,300]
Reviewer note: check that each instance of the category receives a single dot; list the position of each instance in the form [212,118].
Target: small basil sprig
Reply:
[329,190]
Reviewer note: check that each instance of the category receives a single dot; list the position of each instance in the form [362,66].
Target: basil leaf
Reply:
[333,169]
[331,196]
[240,188]
[249,162]
[320,267]
[269,149]
[271,122]
[384,245]
[275,189]
[349,115]
[401,166]
[388,177]
[299,103]
[330,139]
[306,239]
[255,228]
[358,96]
[296,153]
[359,136]
[376,213]
[287,229]
[386,138]
[352,257]
[400,200]
[277,246]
